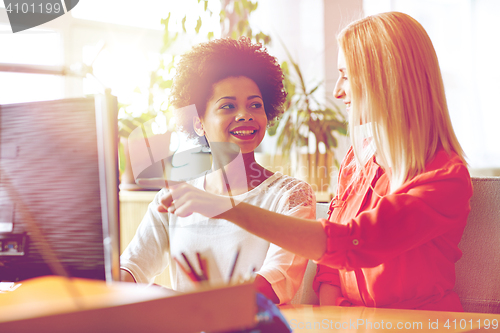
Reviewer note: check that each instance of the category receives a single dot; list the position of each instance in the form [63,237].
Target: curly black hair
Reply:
[210,62]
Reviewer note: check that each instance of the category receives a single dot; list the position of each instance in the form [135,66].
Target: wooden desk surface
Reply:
[313,319]
[59,305]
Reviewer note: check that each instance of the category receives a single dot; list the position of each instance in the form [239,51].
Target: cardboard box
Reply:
[58,304]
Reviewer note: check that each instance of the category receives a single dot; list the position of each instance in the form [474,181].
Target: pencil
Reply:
[234,265]
[190,275]
[191,267]
[203,266]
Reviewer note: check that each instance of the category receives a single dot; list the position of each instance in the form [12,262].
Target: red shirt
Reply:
[397,250]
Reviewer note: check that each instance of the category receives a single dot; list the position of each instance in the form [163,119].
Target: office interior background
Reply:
[122,39]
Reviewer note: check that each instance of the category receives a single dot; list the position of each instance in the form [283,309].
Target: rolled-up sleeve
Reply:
[325,274]
[399,222]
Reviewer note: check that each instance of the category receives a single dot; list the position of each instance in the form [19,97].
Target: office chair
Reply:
[478,271]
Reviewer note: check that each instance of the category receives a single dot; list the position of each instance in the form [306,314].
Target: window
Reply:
[33,47]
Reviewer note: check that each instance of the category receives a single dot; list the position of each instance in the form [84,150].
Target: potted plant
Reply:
[307,118]
[134,140]
[144,136]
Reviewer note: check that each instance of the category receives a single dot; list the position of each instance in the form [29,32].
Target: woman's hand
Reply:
[183,199]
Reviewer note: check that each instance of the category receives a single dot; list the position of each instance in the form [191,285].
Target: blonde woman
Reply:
[392,234]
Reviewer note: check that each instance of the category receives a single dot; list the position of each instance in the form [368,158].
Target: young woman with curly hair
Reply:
[226,93]
[391,237]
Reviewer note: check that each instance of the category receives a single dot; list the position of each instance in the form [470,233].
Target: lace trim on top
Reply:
[301,192]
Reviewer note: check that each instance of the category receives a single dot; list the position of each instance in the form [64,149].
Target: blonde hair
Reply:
[398,92]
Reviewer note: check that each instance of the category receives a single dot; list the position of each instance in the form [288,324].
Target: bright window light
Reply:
[149,13]
[34,46]
[20,87]
[31,47]
[127,61]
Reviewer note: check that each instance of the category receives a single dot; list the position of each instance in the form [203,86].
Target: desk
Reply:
[316,319]
[46,304]
[59,305]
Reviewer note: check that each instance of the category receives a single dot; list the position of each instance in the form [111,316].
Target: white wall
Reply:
[298,26]
[308,28]
[466,36]
[337,14]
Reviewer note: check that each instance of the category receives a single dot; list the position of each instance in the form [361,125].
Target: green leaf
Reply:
[165,21]
[205,5]
[286,140]
[271,130]
[210,35]
[121,157]
[335,125]
[284,121]
[242,24]
[334,139]
[315,88]
[198,25]
[260,36]
[167,84]
[127,124]
[237,8]
[329,141]
[297,71]
[342,131]
[284,67]
[184,23]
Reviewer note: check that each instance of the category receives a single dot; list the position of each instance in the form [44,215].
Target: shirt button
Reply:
[355,241]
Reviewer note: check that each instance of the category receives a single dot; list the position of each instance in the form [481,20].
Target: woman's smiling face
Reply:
[234,113]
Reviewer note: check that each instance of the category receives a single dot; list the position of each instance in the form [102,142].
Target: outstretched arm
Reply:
[303,237]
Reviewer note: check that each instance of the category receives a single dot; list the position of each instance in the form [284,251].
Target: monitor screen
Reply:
[59,209]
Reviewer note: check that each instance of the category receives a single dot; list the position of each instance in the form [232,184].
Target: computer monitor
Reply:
[59,202]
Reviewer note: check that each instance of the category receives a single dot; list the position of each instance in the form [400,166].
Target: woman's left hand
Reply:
[183,199]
